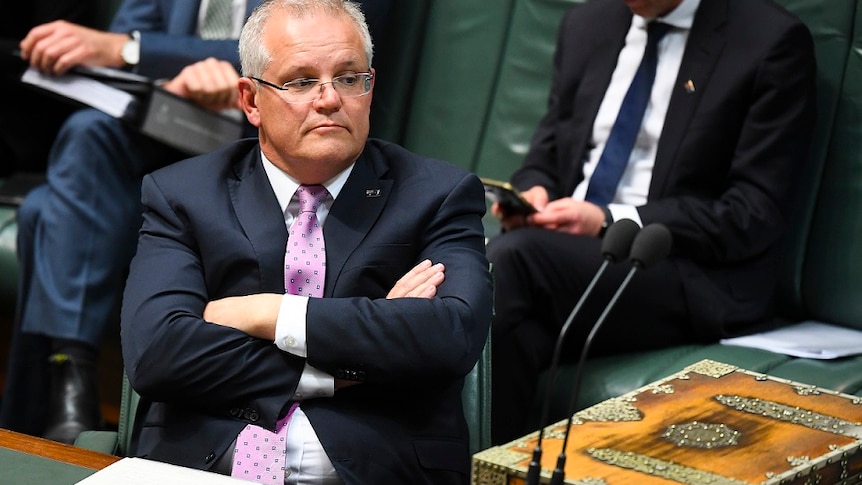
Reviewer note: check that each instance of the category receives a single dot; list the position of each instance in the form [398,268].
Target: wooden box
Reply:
[711,424]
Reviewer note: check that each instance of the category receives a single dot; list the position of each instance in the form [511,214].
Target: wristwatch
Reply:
[609,219]
[131,52]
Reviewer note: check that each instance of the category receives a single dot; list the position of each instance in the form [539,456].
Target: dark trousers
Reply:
[539,276]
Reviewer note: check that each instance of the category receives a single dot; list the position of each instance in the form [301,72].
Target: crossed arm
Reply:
[256,315]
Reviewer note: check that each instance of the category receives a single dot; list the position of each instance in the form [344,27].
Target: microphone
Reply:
[615,247]
[651,245]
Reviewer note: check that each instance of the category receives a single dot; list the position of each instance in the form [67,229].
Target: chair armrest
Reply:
[101,441]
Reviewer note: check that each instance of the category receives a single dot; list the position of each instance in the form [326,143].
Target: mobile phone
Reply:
[509,198]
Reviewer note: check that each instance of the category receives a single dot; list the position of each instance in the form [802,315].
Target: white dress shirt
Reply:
[634,184]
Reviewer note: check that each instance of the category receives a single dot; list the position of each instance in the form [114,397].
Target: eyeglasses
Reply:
[303,90]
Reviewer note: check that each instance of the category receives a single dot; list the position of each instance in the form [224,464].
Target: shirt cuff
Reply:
[623,211]
[290,331]
[314,383]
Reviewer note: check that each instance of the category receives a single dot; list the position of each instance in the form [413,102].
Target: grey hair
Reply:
[253,54]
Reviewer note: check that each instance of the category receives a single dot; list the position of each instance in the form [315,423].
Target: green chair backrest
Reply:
[126,425]
[822,266]
[832,271]
[476,400]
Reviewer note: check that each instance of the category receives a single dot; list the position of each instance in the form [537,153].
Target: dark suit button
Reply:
[251,415]
[210,457]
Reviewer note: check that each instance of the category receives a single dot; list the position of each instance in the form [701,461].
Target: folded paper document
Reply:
[136,100]
[138,471]
[810,339]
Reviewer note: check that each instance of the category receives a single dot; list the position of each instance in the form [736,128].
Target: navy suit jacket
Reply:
[213,228]
[728,152]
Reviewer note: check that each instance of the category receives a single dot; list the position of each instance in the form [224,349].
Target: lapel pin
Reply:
[372,192]
[689,86]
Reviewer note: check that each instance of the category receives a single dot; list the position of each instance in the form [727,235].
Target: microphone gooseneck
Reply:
[615,247]
[651,245]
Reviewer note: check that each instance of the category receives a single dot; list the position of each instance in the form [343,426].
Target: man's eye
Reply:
[348,79]
[302,83]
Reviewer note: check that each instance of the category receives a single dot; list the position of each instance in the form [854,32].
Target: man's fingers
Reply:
[420,282]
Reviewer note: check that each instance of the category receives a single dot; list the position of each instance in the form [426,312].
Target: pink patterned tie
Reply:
[305,258]
[260,454]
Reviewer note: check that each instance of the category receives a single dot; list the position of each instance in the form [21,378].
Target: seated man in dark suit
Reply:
[710,152]
[77,232]
[283,287]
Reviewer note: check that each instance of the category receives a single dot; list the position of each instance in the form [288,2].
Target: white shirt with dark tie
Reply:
[634,184]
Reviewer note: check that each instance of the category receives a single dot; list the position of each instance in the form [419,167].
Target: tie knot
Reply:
[310,197]
[656,30]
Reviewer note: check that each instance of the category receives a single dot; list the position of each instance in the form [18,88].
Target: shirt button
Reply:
[298,396]
[286,472]
[290,342]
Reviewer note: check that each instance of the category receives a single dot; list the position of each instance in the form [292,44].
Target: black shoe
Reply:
[73,399]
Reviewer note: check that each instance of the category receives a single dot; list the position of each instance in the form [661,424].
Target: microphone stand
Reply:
[651,245]
[618,240]
[559,472]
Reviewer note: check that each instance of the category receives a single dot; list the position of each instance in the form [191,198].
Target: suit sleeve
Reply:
[171,354]
[541,165]
[405,341]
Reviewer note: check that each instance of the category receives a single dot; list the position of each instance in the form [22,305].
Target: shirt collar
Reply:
[285,186]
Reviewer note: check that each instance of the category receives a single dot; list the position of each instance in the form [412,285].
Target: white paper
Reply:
[138,471]
[93,93]
[810,339]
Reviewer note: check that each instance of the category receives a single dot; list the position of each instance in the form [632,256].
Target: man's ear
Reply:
[248,100]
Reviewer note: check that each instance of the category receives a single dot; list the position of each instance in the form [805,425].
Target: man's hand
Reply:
[420,282]
[56,47]
[253,314]
[571,216]
[211,83]
[537,196]
[564,215]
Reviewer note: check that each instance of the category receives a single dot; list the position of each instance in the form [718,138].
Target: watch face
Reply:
[131,52]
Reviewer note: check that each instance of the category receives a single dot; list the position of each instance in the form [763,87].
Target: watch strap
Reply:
[609,219]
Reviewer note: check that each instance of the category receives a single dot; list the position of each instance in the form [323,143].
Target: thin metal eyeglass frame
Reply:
[319,86]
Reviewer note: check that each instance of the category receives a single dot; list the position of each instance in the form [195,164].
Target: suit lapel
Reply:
[354,213]
[260,216]
[702,51]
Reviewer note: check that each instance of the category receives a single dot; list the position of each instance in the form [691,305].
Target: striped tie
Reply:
[218,19]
